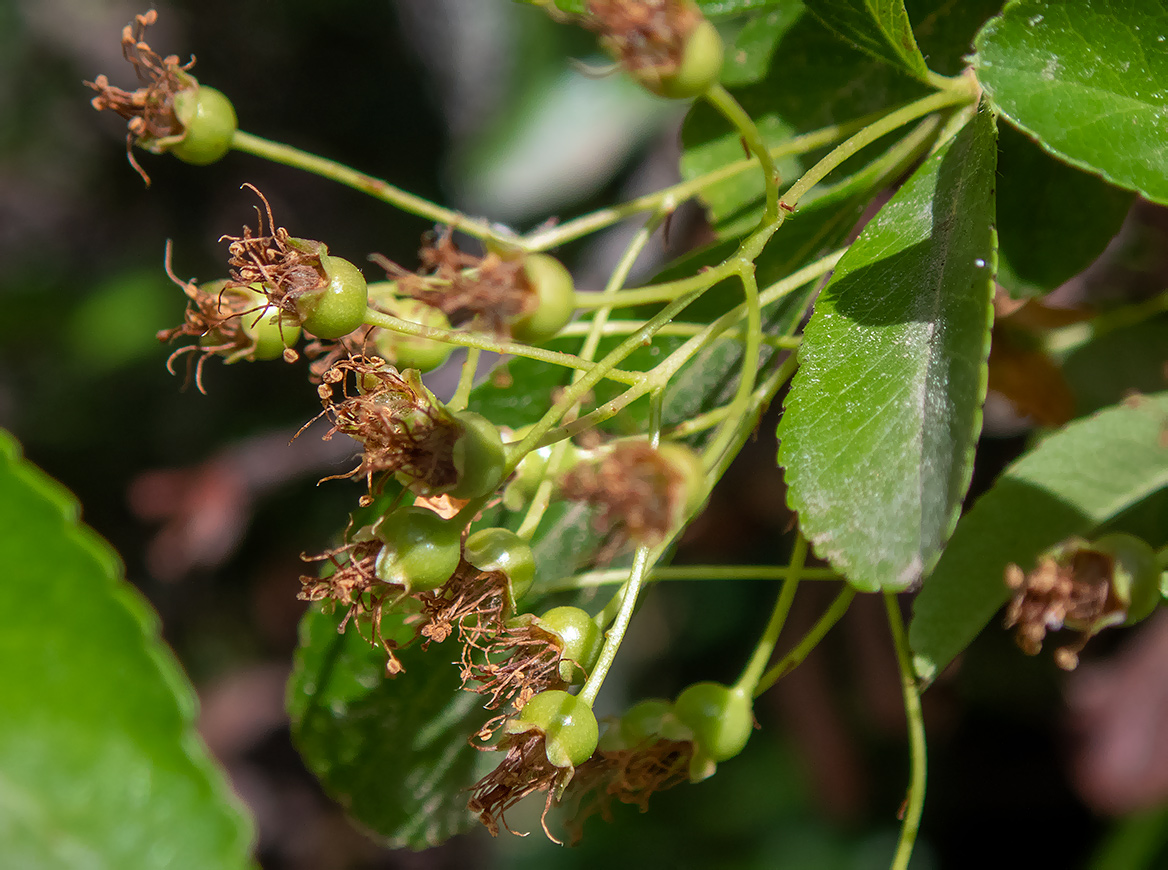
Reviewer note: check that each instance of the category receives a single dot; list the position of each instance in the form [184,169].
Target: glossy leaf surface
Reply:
[100,764]
[1089,80]
[1074,482]
[393,751]
[879,27]
[879,428]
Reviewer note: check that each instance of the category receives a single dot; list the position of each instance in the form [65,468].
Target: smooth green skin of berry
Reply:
[555,293]
[689,464]
[209,123]
[409,351]
[699,70]
[580,639]
[566,722]
[479,457]
[645,722]
[339,307]
[503,550]
[721,719]
[421,551]
[1136,573]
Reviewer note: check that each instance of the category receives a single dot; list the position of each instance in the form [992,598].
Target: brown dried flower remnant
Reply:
[406,431]
[492,289]
[354,584]
[524,771]
[626,775]
[645,35]
[640,493]
[149,110]
[286,267]
[1070,587]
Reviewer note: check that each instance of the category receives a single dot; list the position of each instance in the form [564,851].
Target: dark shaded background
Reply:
[211,510]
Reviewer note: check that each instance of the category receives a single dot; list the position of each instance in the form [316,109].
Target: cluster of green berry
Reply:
[426,562]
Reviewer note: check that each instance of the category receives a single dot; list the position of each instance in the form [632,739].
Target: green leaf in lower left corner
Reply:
[100,764]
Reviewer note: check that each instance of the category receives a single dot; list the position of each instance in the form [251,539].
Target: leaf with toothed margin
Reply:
[100,763]
[879,428]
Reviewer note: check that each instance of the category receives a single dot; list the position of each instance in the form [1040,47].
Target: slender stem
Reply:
[801,650]
[759,399]
[466,377]
[484,342]
[770,635]
[572,394]
[375,187]
[668,367]
[606,217]
[720,573]
[897,118]
[915,801]
[543,493]
[1067,338]
[732,111]
[616,633]
[750,359]
[624,327]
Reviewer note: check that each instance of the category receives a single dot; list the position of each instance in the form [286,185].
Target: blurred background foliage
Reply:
[472,103]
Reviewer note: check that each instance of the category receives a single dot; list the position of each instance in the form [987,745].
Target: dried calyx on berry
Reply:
[667,45]
[327,295]
[642,492]
[1085,586]
[408,433]
[172,112]
[236,323]
[642,752]
[528,297]
[551,735]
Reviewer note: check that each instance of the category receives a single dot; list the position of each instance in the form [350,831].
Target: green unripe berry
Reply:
[555,300]
[209,123]
[698,71]
[646,722]
[337,308]
[1135,573]
[422,550]
[721,720]
[566,722]
[581,640]
[479,457]
[503,550]
[410,351]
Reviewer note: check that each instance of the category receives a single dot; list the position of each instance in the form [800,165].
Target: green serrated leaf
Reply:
[1053,220]
[945,29]
[1074,482]
[814,82]
[879,27]
[878,430]
[100,764]
[393,751]
[1089,80]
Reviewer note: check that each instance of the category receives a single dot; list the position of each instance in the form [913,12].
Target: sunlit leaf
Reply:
[878,431]
[1089,80]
